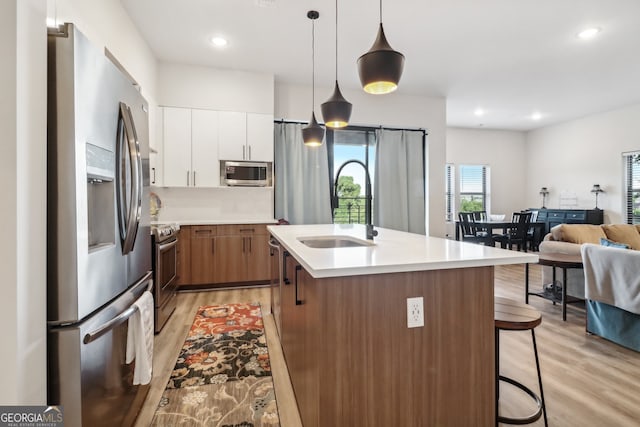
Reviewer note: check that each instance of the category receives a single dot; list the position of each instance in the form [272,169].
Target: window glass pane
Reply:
[473,184]
[632,173]
[352,145]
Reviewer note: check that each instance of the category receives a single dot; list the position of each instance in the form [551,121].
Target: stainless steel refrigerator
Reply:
[98,240]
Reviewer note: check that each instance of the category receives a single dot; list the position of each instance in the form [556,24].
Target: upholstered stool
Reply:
[510,315]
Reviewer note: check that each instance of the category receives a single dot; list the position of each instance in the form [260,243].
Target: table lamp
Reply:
[597,190]
[544,192]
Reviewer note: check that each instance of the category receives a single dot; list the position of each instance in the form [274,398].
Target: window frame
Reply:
[631,167]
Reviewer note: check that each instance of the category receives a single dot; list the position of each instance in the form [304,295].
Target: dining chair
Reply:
[532,233]
[517,232]
[470,232]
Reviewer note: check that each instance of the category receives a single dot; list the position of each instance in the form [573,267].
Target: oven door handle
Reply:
[165,246]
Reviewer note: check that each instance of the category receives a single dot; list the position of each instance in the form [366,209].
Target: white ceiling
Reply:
[509,57]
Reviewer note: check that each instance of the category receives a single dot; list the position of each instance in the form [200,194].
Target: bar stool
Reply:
[510,315]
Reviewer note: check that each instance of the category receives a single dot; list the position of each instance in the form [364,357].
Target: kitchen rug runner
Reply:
[222,377]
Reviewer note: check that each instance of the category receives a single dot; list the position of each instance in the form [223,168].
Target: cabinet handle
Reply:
[250,248]
[242,230]
[194,178]
[213,246]
[187,178]
[153,181]
[244,244]
[298,301]
[284,268]
[243,148]
[203,231]
[249,152]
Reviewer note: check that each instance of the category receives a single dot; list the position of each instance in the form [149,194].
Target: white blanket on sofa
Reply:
[612,276]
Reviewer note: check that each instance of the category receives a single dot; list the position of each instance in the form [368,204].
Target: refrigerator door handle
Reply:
[120,318]
[127,144]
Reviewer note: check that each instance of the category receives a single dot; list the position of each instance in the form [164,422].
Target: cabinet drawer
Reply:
[576,215]
[242,229]
[555,215]
[203,231]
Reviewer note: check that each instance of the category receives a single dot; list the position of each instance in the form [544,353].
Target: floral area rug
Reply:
[222,377]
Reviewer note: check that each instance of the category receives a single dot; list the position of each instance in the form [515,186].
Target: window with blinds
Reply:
[632,186]
[449,192]
[473,188]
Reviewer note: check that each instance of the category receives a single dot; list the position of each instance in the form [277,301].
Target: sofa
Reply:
[612,291]
[610,280]
[568,238]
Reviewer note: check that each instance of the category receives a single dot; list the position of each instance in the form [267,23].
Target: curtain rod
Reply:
[356,127]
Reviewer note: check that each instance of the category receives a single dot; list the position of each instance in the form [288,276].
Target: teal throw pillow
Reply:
[611,243]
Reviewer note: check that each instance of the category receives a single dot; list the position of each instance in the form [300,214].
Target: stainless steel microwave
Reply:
[248,174]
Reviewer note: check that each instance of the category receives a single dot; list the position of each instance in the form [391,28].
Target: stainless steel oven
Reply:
[165,274]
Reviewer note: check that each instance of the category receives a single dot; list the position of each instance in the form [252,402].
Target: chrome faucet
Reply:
[367,195]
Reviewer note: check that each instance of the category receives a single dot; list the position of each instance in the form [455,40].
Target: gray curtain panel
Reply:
[399,194]
[301,178]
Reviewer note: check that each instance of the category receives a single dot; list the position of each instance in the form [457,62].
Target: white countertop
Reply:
[393,251]
[222,221]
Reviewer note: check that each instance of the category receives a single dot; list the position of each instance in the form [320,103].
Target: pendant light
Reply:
[313,134]
[381,67]
[336,111]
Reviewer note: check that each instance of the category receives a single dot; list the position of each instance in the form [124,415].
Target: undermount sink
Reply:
[334,242]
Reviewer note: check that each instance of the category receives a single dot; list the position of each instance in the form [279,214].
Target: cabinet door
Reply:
[257,254]
[155,149]
[202,255]
[204,148]
[232,136]
[260,137]
[177,147]
[229,259]
[287,308]
[184,255]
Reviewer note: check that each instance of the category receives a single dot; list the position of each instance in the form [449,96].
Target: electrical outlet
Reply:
[415,312]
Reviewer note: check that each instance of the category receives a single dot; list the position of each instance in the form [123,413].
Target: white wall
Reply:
[23,176]
[293,102]
[573,156]
[504,152]
[214,89]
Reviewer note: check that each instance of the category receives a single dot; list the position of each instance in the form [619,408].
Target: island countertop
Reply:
[393,251]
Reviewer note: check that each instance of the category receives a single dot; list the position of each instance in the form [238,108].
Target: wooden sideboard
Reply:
[553,217]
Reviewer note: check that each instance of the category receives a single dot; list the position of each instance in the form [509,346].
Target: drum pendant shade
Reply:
[313,134]
[381,67]
[336,111]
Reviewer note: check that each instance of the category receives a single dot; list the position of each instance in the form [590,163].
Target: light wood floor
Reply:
[587,380]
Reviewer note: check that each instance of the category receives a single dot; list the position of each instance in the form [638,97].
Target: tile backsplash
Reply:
[218,203]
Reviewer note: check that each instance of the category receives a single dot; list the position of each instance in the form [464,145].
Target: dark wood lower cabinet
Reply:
[353,361]
[224,255]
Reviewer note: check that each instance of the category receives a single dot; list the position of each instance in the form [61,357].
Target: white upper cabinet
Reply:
[260,136]
[190,148]
[156,172]
[245,136]
[177,147]
[204,148]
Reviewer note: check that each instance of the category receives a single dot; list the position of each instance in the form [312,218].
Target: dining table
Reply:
[504,226]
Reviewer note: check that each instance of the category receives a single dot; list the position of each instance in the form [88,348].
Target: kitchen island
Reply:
[343,327]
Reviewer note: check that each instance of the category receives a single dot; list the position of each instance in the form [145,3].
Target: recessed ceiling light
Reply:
[479,112]
[536,116]
[219,41]
[589,33]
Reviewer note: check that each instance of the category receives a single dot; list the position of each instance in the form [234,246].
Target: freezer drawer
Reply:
[87,370]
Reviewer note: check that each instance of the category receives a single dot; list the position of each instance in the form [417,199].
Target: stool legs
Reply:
[535,351]
[542,409]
